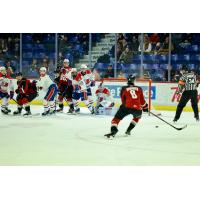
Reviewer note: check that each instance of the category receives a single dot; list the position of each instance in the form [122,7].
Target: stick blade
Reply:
[179,129]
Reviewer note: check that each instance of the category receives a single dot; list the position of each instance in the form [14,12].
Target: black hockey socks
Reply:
[113,132]
[129,129]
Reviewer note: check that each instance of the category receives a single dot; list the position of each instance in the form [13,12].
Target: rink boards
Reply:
[163,95]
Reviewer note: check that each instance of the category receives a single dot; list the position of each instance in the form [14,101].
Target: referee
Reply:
[187,85]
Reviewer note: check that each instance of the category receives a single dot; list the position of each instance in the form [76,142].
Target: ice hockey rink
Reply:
[78,140]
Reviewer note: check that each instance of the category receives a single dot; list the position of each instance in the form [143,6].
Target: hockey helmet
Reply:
[18,74]
[74,70]
[131,79]
[3,70]
[83,66]
[184,68]
[43,71]
[66,60]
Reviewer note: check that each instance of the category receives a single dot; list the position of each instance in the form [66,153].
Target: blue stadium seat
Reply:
[137,58]
[78,47]
[33,74]
[14,63]
[163,66]
[27,55]
[149,58]
[193,48]
[101,66]
[174,58]
[25,63]
[176,66]
[52,55]
[185,57]
[39,46]
[162,58]
[39,55]
[1,63]
[26,38]
[195,58]
[191,66]
[27,46]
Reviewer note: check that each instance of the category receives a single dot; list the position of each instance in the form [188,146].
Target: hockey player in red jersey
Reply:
[6,90]
[133,103]
[26,92]
[104,100]
[65,87]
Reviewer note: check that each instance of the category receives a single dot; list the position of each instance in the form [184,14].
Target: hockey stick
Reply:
[178,129]
[18,104]
[36,114]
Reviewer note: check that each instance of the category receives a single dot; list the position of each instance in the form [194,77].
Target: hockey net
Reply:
[115,84]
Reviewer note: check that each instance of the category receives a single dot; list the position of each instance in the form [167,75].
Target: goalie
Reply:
[105,102]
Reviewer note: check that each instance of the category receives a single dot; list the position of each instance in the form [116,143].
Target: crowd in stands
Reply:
[39,50]
[9,51]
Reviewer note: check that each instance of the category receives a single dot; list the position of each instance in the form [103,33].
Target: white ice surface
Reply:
[78,140]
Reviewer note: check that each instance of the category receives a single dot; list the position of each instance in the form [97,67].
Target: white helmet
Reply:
[43,69]
[73,70]
[65,61]
[2,68]
[83,66]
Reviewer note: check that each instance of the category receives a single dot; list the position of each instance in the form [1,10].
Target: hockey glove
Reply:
[145,108]
[92,83]
[178,92]
[111,105]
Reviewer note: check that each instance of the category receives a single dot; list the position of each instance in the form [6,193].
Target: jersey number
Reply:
[133,94]
[191,80]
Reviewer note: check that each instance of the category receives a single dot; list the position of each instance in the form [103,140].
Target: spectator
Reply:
[119,51]
[165,47]
[134,44]
[126,56]
[154,38]
[109,72]
[34,66]
[120,38]
[124,44]
[45,63]
[60,60]
[162,37]
[146,46]
[121,75]
[157,48]
[84,40]
[3,47]
[97,76]
[10,69]
[64,44]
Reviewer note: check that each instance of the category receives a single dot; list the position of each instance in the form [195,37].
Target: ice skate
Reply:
[45,113]
[4,111]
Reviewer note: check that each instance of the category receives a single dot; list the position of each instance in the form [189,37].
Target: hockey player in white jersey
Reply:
[105,101]
[79,91]
[88,78]
[6,90]
[50,89]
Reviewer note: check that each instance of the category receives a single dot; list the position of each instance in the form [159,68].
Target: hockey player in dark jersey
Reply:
[187,85]
[65,87]
[133,103]
[26,92]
